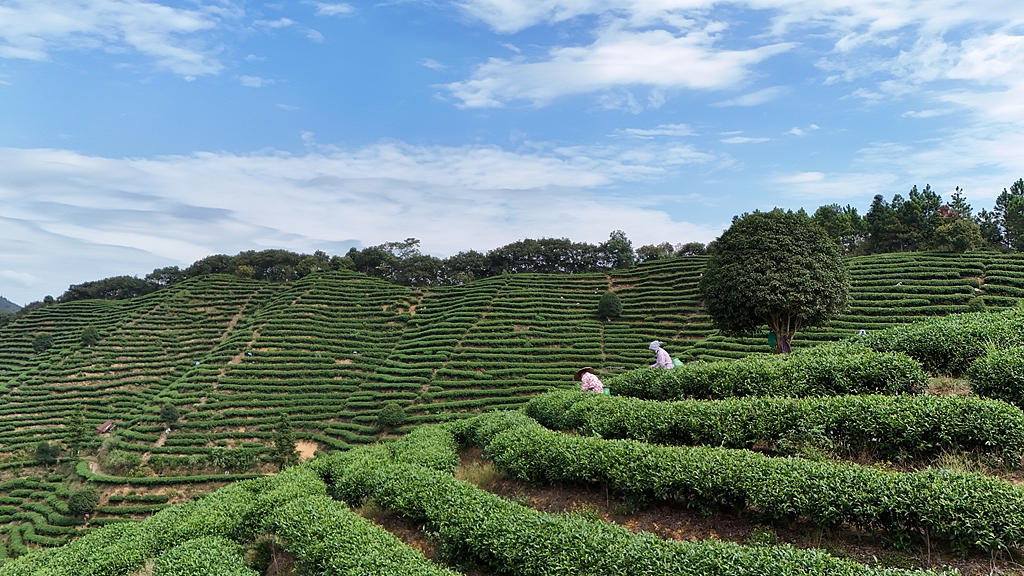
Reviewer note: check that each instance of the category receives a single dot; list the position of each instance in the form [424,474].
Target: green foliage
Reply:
[610,306]
[391,414]
[958,236]
[999,374]
[208,556]
[114,288]
[47,453]
[76,430]
[893,428]
[90,336]
[42,342]
[83,501]
[284,453]
[474,525]
[776,268]
[843,224]
[969,510]
[825,370]
[950,344]
[169,413]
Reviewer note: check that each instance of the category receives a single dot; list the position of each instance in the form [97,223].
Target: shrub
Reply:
[950,344]
[1000,374]
[46,453]
[169,413]
[970,510]
[391,415]
[209,556]
[42,342]
[886,427]
[90,336]
[609,306]
[824,370]
[83,501]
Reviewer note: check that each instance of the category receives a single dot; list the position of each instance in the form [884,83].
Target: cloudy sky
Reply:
[138,134]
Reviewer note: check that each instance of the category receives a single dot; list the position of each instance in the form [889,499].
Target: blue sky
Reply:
[138,134]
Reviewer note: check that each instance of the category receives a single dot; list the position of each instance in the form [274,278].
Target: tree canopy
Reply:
[778,269]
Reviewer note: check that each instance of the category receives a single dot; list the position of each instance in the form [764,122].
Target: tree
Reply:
[958,236]
[90,336]
[169,413]
[609,306]
[391,414]
[844,225]
[77,431]
[1009,213]
[47,453]
[42,343]
[284,453]
[617,252]
[83,501]
[777,268]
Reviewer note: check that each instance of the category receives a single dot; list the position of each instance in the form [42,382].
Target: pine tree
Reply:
[77,430]
[284,443]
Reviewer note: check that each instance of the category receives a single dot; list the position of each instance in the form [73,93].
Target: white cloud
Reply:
[619,57]
[432,64]
[254,81]
[819,187]
[128,216]
[755,98]
[341,9]
[661,130]
[924,113]
[274,24]
[314,35]
[32,29]
[288,107]
[744,140]
[795,131]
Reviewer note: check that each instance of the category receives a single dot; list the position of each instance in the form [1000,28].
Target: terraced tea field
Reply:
[332,348]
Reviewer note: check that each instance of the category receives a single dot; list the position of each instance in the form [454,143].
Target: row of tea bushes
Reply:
[474,525]
[825,370]
[949,345]
[885,427]
[293,505]
[968,510]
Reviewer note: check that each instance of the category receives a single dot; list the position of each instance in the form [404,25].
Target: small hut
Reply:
[106,427]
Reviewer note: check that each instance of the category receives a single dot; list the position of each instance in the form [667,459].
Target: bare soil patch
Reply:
[306,449]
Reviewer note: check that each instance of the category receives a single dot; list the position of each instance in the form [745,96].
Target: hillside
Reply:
[8,306]
[331,348]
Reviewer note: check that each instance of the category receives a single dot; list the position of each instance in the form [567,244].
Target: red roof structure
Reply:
[105,427]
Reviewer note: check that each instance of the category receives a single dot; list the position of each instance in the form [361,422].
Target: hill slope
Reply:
[8,306]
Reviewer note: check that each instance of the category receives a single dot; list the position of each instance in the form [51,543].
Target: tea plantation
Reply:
[330,350]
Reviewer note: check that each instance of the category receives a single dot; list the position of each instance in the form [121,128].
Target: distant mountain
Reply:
[8,306]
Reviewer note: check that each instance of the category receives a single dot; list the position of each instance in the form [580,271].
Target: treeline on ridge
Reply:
[919,221]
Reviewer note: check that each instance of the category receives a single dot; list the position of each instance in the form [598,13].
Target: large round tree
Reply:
[778,269]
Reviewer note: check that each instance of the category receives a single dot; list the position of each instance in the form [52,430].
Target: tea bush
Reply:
[825,370]
[969,510]
[949,345]
[887,427]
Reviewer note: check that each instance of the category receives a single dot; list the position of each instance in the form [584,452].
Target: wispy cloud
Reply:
[141,213]
[32,29]
[744,140]
[432,64]
[619,57]
[756,98]
[254,81]
[661,130]
[340,9]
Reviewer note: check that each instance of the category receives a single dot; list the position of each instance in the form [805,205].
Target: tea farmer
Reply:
[663,359]
[589,382]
